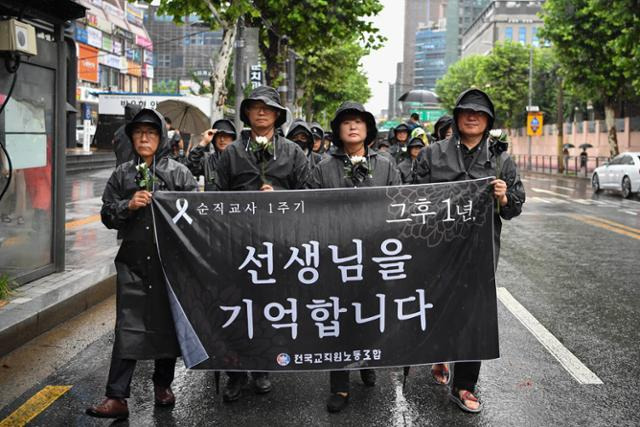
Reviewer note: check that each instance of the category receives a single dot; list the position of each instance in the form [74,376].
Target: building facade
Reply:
[516,21]
[459,14]
[184,53]
[429,61]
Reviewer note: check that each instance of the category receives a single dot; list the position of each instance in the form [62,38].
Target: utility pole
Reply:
[283,75]
[238,71]
[530,100]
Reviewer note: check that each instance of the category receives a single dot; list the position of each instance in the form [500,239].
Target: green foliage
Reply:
[165,86]
[460,76]
[6,285]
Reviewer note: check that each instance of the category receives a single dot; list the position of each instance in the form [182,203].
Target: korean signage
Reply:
[144,42]
[110,60]
[134,15]
[375,277]
[147,56]
[534,123]
[87,63]
[81,34]
[147,71]
[107,43]
[255,76]
[113,10]
[94,37]
[117,47]
[134,69]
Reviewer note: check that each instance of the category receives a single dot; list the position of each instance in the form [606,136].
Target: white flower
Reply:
[262,141]
[496,133]
[355,160]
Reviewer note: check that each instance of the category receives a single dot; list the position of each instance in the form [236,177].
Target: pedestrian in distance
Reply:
[352,164]
[144,323]
[301,134]
[260,160]
[203,159]
[472,153]
[121,143]
[408,167]
[414,121]
[176,143]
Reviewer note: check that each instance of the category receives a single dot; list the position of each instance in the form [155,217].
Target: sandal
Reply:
[459,397]
[440,371]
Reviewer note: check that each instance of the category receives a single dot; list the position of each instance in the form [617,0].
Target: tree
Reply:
[460,76]
[331,76]
[312,26]
[597,49]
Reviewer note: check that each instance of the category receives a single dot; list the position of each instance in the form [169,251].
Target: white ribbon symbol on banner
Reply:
[182,205]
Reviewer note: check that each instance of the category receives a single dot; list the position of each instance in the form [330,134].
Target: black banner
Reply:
[331,279]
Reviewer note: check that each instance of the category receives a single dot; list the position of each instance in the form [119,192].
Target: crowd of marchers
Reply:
[268,157]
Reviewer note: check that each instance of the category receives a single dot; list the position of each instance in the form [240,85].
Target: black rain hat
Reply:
[316,130]
[270,97]
[441,126]
[225,126]
[476,100]
[415,142]
[146,116]
[351,107]
[401,127]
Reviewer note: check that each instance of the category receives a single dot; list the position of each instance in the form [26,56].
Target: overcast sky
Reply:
[380,65]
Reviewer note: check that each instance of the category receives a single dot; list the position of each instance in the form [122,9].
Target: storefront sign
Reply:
[92,19]
[147,71]
[134,15]
[113,10]
[144,42]
[87,63]
[117,47]
[134,69]
[107,43]
[148,56]
[110,60]
[113,104]
[81,34]
[86,94]
[123,65]
[94,37]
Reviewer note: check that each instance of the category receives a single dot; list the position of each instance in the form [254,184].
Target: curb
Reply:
[54,299]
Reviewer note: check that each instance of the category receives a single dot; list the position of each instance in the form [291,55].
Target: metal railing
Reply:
[573,165]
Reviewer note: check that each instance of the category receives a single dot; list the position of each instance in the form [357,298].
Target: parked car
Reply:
[621,173]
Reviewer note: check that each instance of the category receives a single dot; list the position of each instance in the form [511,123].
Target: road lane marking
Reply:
[568,360]
[80,222]
[539,199]
[563,188]
[630,212]
[608,225]
[35,405]
[553,193]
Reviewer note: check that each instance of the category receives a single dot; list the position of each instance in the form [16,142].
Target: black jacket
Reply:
[443,161]
[144,324]
[330,172]
[408,171]
[238,168]
[122,146]
[203,161]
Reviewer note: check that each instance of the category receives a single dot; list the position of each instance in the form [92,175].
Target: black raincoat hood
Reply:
[154,118]
[300,126]
[225,126]
[357,108]
[269,96]
[401,127]
[130,111]
[476,100]
[415,142]
[441,126]
[316,129]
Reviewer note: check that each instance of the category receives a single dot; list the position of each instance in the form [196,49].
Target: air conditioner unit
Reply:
[16,36]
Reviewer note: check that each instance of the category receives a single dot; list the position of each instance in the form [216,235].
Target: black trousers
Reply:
[121,372]
[339,381]
[465,375]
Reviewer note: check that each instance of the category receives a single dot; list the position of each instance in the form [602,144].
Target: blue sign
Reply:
[81,35]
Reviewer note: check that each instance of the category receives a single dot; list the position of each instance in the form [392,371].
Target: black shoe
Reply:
[262,383]
[110,408]
[368,377]
[337,402]
[233,390]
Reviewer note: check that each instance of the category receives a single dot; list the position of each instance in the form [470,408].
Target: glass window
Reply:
[27,131]
[534,37]
[522,35]
[627,160]
[164,60]
[508,33]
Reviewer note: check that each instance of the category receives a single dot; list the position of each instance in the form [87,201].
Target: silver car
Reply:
[621,173]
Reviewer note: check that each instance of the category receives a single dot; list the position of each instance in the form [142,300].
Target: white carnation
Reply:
[357,159]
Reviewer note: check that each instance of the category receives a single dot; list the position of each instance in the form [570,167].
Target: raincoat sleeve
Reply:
[222,171]
[115,211]
[185,180]
[300,169]
[315,178]
[423,169]
[515,189]
[394,175]
[195,160]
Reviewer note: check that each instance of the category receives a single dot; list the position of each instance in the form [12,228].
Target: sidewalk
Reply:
[89,276]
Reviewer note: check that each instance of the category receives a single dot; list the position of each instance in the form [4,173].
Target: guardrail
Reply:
[573,165]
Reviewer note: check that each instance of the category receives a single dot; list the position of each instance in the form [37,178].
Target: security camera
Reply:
[17,37]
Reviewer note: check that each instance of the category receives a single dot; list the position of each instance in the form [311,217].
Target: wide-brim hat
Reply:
[316,130]
[225,126]
[270,97]
[351,107]
[475,100]
[415,142]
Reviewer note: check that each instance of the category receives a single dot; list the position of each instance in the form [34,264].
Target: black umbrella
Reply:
[419,95]
[585,146]
[568,146]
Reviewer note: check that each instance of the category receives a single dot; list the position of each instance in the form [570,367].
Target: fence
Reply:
[549,164]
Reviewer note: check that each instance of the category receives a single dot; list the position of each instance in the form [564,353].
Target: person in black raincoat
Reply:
[399,143]
[121,143]
[203,158]
[260,160]
[471,153]
[443,128]
[353,130]
[318,137]
[301,134]
[409,167]
[144,324]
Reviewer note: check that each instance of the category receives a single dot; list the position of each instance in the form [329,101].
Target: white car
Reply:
[621,173]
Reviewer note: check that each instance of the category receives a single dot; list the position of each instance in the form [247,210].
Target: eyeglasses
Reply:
[137,133]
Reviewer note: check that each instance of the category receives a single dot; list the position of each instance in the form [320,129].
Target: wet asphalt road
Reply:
[571,260]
